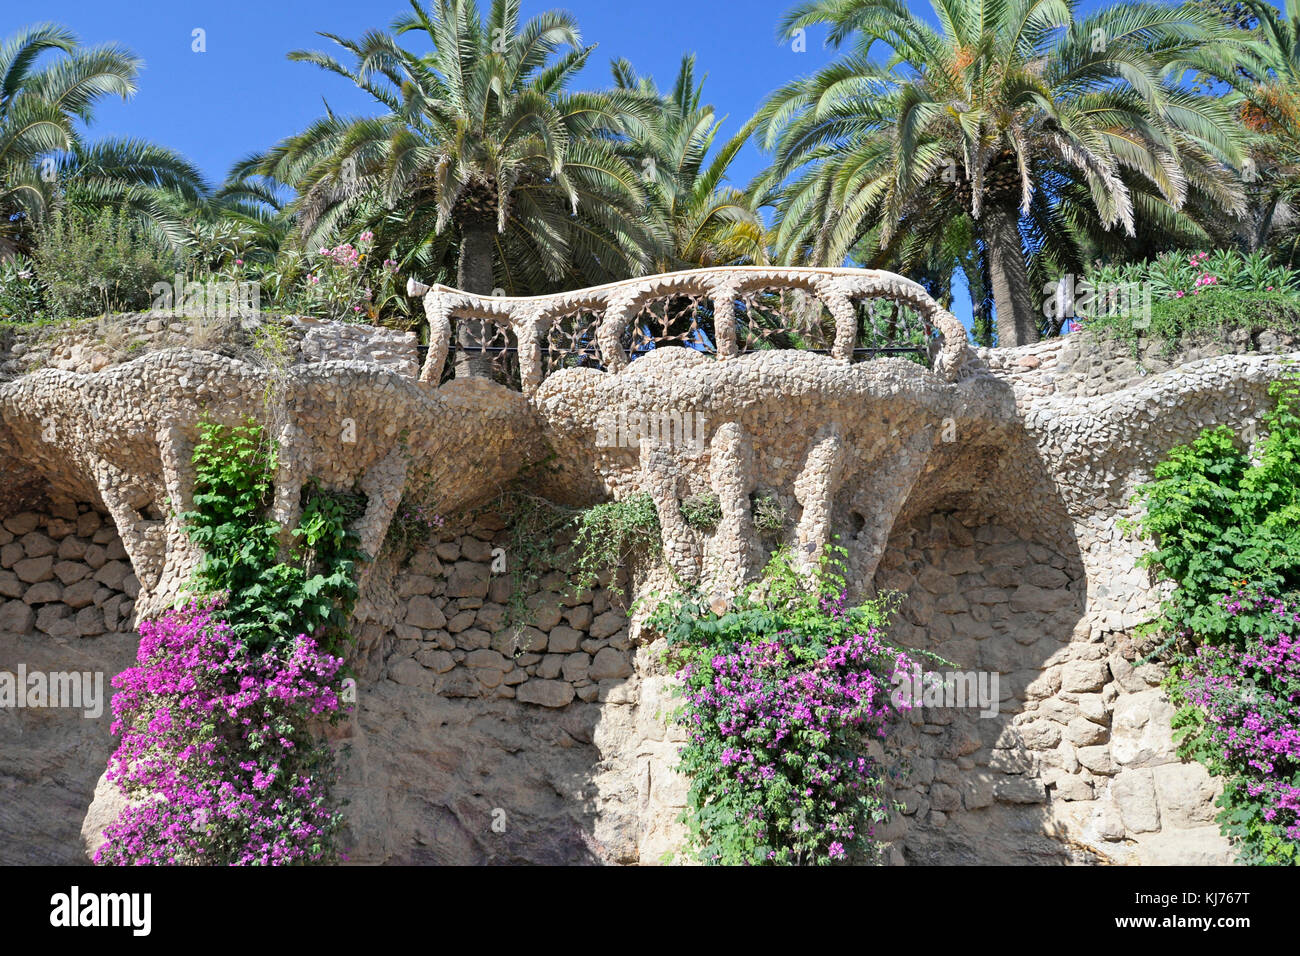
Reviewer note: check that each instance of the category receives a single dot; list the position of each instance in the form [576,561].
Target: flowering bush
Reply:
[344,286]
[216,754]
[1199,296]
[1229,524]
[1174,275]
[1244,724]
[781,694]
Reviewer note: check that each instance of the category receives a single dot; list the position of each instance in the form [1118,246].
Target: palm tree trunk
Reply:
[474,274]
[1012,297]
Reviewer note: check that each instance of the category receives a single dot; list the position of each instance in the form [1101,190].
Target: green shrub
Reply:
[769,514]
[20,290]
[1221,521]
[93,265]
[702,511]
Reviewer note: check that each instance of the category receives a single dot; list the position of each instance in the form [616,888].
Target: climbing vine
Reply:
[269,597]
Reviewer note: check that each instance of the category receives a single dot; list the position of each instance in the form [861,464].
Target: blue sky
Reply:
[242,95]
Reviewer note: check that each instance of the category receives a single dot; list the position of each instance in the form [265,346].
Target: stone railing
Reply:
[600,325]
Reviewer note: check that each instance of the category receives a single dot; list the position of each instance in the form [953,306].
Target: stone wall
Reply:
[64,573]
[1079,764]
[89,345]
[462,633]
[66,604]
[991,501]
[1084,364]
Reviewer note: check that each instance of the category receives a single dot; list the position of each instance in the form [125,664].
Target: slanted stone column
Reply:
[731,474]
[815,490]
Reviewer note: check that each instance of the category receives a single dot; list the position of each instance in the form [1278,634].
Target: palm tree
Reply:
[1038,125]
[1263,81]
[479,138]
[708,222]
[38,112]
[43,159]
[156,186]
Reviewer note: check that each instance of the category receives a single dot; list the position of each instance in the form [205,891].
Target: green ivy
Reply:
[1221,522]
[268,597]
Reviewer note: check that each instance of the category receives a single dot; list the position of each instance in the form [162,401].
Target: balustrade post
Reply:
[437,311]
[846,326]
[723,297]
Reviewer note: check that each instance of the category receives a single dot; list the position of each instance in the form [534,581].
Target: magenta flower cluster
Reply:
[1250,699]
[216,755]
[778,730]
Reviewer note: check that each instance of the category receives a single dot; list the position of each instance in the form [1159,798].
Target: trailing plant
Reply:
[540,533]
[702,511]
[781,692]
[414,521]
[1227,535]
[769,514]
[217,755]
[269,596]
[613,534]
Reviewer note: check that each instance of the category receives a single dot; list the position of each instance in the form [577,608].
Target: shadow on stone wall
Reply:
[993,583]
[66,607]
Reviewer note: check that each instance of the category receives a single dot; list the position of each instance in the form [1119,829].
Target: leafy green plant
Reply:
[90,265]
[769,514]
[268,598]
[611,535]
[20,290]
[1227,534]
[1221,521]
[1200,297]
